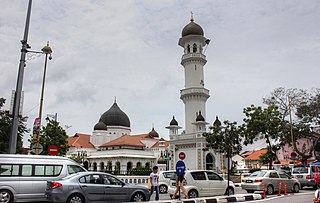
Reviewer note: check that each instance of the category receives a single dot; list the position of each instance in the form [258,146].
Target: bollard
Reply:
[264,190]
[279,192]
[285,188]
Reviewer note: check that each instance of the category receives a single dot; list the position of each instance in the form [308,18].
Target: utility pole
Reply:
[17,96]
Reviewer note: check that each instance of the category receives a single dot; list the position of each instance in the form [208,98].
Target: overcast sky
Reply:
[129,50]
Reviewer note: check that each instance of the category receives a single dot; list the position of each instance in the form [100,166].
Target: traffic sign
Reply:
[182,155]
[180,167]
[34,148]
[53,150]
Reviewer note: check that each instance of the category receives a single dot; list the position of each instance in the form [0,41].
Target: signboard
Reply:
[53,150]
[180,167]
[34,147]
[182,155]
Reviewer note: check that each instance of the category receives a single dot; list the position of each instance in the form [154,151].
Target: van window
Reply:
[74,169]
[9,170]
[198,176]
[26,170]
[299,170]
[47,170]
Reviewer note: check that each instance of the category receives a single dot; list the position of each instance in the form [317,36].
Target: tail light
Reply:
[258,181]
[308,177]
[55,185]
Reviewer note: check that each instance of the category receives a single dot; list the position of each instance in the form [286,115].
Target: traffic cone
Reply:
[279,192]
[285,188]
[264,191]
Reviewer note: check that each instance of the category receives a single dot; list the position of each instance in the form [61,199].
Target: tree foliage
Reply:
[263,123]
[5,129]
[54,134]
[225,138]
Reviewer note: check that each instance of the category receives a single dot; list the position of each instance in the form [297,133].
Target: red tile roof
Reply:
[166,144]
[80,141]
[126,140]
[255,155]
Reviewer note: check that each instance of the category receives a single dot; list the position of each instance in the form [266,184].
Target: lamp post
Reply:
[47,51]
[17,95]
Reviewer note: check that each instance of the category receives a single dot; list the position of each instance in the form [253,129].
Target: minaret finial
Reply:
[115,99]
[191,18]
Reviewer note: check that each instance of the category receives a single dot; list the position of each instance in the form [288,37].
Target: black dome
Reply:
[153,133]
[217,122]
[100,126]
[173,122]
[200,117]
[192,29]
[115,117]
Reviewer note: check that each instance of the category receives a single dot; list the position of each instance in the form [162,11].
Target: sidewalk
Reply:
[218,199]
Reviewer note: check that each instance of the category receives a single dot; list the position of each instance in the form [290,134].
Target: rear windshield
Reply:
[258,174]
[169,174]
[299,170]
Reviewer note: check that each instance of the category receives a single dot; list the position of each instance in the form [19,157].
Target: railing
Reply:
[140,180]
[184,56]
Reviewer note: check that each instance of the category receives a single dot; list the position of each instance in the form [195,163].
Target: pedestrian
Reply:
[154,180]
[179,185]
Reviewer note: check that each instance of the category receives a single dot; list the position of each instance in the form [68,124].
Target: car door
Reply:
[115,190]
[216,184]
[285,179]
[201,182]
[92,187]
[274,179]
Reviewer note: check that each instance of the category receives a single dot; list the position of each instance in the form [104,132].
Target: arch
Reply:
[194,48]
[210,162]
[117,168]
[94,166]
[129,167]
[109,166]
[147,165]
[138,164]
[101,166]
[188,49]
[86,165]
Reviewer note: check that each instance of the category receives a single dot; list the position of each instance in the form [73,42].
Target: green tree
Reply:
[54,134]
[5,129]
[263,123]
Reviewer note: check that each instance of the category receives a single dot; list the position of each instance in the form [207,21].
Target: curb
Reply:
[219,199]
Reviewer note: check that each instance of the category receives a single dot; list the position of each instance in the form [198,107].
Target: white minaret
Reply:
[194,95]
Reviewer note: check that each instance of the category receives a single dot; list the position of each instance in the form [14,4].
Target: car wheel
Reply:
[5,196]
[75,198]
[193,194]
[270,190]
[250,191]
[138,197]
[231,191]
[163,188]
[296,188]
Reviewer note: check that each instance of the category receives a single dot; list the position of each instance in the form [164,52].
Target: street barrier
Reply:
[264,191]
[285,188]
[279,191]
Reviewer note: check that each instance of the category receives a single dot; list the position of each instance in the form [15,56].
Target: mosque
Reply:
[111,147]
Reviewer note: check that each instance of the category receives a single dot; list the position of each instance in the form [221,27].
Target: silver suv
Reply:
[204,183]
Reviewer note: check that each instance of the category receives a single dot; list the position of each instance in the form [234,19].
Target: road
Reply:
[304,196]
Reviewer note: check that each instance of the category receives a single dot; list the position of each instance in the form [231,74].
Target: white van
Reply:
[23,178]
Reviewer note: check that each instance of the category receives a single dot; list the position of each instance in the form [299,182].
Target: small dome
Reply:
[200,117]
[173,122]
[192,29]
[115,117]
[100,126]
[217,122]
[153,133]
[161,161]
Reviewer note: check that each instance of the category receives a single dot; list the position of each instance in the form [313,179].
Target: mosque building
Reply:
[111,146]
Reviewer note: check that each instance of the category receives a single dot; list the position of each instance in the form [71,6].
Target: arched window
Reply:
[210,162]
[188,48]
[86,165]
[117,168]
[129,167]
[194,48]
[147,165]
[102,166]
[109,166]
[138,164]
[94,166]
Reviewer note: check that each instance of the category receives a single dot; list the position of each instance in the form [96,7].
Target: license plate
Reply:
[173,184]
[248,181]
[299,176]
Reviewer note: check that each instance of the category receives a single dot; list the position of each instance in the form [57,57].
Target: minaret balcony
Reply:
[194,91]
[193,55]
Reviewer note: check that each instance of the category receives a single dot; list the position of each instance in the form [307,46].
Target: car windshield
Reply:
[298,170]
[258,174]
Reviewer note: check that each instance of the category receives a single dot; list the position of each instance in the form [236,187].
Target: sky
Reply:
[129,50]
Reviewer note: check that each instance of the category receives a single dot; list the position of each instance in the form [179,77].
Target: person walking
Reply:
[179,185]
[154,180]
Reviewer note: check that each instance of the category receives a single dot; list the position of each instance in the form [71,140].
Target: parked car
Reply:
[203,183]
[271,180]
[94,187]
[164,180]
[305,174]
[24,177]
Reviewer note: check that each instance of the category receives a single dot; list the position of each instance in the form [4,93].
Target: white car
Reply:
[164,180]
[202,183]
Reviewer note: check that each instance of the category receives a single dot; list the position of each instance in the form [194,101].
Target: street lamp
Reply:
[47,51]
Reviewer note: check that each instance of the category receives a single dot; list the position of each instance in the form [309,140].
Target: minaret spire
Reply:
[191,18]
